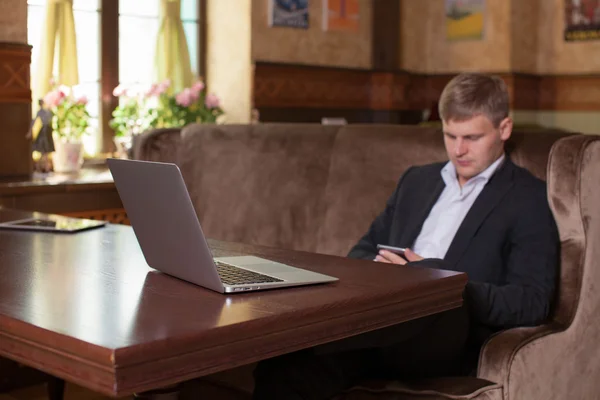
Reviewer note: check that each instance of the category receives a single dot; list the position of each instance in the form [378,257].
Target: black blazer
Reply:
[507,244]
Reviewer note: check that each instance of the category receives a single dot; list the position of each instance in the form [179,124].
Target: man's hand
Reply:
[389,257]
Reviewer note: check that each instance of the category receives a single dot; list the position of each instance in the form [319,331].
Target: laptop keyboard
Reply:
[231,275]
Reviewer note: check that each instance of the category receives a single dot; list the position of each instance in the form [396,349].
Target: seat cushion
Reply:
[237,384]
[430,389]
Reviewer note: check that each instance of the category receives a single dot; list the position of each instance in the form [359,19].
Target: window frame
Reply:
[109,62]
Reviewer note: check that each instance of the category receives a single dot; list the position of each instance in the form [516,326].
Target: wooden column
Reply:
[15,109]
[386,35]
[385,53]
[202,43]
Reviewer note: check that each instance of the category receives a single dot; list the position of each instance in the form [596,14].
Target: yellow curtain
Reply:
[59,31]
[172,57]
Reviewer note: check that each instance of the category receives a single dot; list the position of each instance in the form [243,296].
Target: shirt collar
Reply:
[449,172]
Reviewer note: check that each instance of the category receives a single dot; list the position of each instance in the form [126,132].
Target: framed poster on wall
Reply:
[288,13]
[464,19]
[341,15]
[582,20]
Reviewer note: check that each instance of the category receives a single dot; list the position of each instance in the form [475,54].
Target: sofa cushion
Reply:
[258,184]
[366,164]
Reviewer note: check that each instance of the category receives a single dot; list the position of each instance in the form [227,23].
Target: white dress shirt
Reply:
[449,211]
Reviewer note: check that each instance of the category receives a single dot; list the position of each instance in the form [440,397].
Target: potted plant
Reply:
[131,116]
[191,105]
[70,122]
[141,109]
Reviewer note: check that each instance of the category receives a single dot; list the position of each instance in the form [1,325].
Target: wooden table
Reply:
[86,307]
[88,193]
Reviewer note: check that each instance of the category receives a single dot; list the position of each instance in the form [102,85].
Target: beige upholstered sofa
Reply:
[317,188]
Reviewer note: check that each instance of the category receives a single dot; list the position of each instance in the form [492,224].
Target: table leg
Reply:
[56,388]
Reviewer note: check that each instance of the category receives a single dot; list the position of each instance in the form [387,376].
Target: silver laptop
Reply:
[165,223]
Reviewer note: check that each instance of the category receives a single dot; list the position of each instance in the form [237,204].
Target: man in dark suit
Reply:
[478,213]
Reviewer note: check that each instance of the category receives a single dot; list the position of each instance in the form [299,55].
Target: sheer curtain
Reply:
[58,32]
[172,57]
[139,24]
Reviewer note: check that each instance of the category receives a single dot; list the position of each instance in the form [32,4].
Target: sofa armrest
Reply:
[499,352]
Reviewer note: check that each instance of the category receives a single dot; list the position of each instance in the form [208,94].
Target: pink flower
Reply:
[82,100]
[163,86]
[119,91]
[186,97]
[54,98]
[153,91]
[212,101]
[156,89]
[198,86]
[64,90]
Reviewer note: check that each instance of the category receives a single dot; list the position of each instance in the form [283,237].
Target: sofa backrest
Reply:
[365,167]
[161,145]
[307,186]
[574,197]
[560,360]
[367,163]
[258,184]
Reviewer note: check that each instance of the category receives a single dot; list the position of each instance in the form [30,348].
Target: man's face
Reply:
[474,144]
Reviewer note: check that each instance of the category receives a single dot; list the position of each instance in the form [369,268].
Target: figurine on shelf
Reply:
[41,133]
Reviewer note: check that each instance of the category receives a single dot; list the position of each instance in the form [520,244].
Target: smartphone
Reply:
[395,250]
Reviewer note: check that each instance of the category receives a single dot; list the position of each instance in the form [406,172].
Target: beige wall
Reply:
[575,121]
[414,39]
[13,21]
[556,56]
[524,36]
[520,36]
[311,46]
[228,61]
[553,56]
[524,40]
[424,47]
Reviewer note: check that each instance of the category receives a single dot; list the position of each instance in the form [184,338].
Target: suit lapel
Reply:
[430,194]
[488,199]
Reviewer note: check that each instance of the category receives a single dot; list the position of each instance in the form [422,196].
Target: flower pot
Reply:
[123,145]
[68,156]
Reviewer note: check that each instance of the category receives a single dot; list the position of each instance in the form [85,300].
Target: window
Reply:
[138,24]
[87,28]
[138,27]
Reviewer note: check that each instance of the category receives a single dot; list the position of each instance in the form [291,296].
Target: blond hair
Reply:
[471,94]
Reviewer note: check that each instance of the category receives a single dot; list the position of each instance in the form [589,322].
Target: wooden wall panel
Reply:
[14,73]
[424,90]
[298,86]
[278,85]
[570,93]
[524,91]
[15,109]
